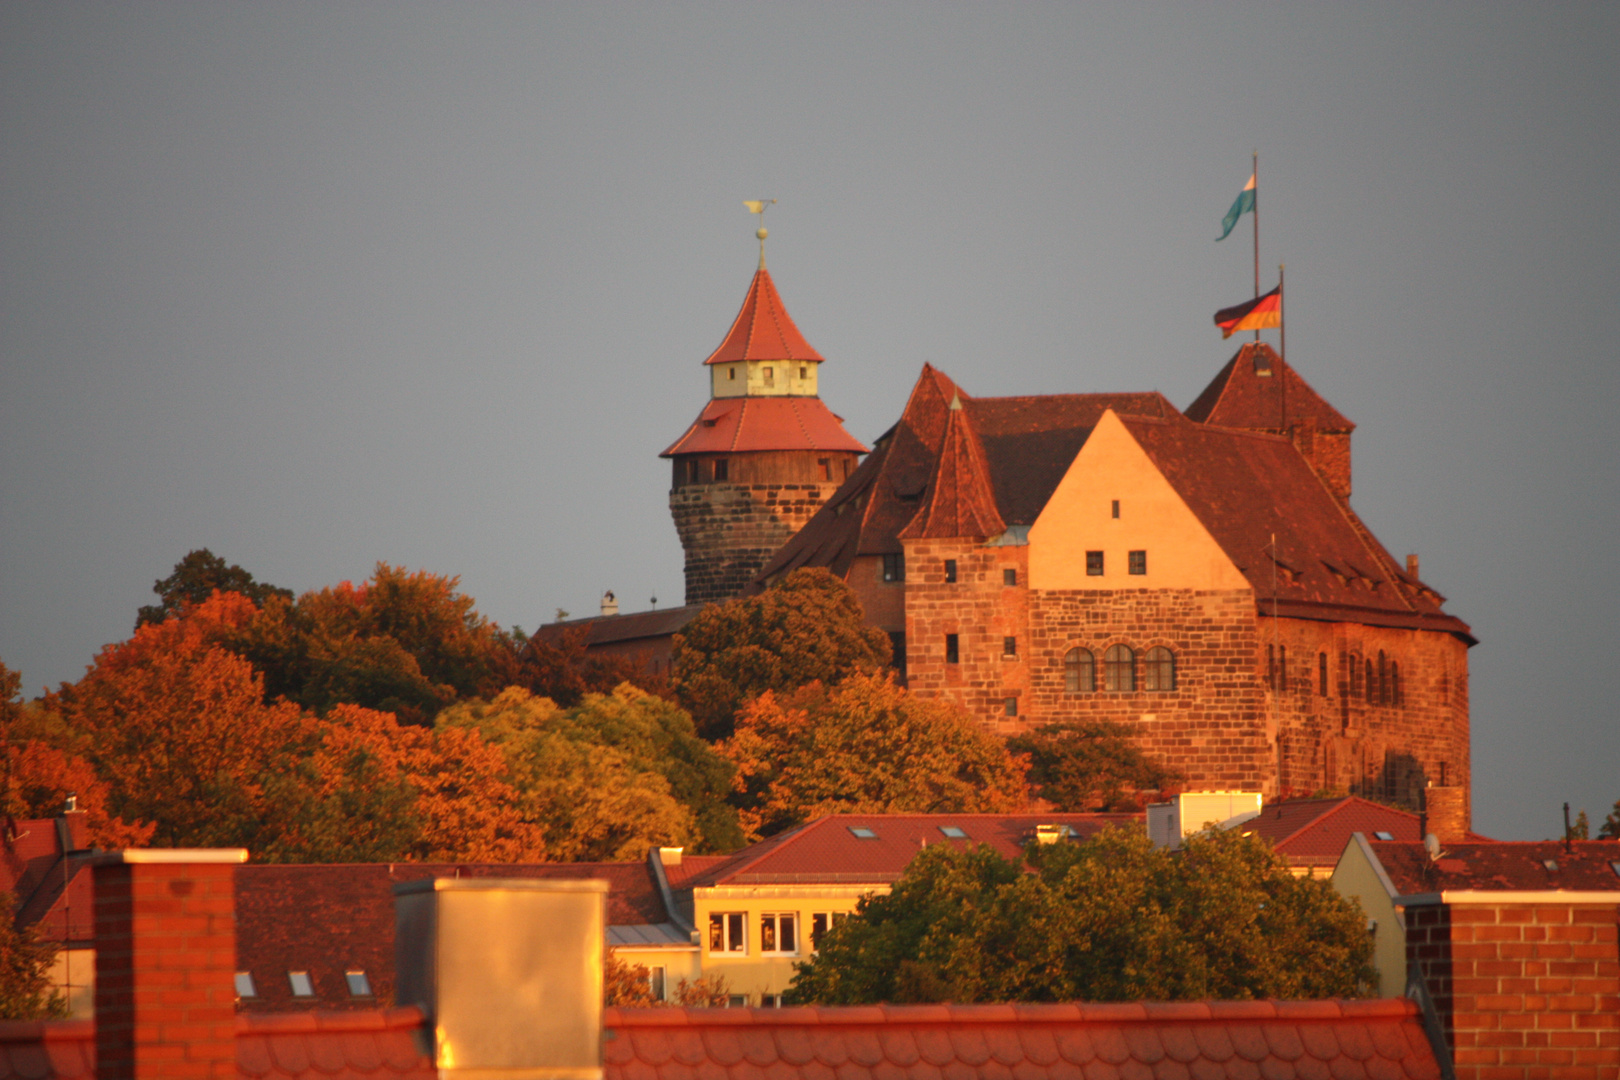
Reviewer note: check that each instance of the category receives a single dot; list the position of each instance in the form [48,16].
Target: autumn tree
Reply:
[1610,829]
[198,576]
[26,990]
[558,666]
[1110,919]
[865,746]
[610,778]
[807,627]
[1089,765]
[405,643]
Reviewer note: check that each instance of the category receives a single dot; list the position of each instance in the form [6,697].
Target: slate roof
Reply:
[744,424]
[827,851]
[327,919]
[763,330]
[1502,866]
[1241,1040]
[1238,397]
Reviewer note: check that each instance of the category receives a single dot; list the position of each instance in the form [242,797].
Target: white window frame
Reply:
[730,944]
[774,920]
[832,919]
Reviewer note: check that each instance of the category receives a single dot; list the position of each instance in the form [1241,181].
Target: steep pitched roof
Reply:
[1206,1040]
[1240,397]
[1314,832]
[1027,443]
[829,851]
[763,330]
[741,424]
[326,919]
[961,501]
[1503,866]
[1247,488]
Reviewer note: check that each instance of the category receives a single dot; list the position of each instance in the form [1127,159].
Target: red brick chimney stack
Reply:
[1445,811]
[165,964]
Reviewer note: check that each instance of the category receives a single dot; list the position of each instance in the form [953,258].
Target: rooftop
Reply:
[1502,866]
[763,329]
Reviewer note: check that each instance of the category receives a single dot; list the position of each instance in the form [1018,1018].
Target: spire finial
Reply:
[757,206]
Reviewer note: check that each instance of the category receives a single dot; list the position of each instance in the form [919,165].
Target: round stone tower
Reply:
[763,455]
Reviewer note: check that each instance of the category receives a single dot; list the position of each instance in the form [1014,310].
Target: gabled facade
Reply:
[1199,577]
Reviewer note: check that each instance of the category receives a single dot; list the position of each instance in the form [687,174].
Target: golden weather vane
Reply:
[757,206]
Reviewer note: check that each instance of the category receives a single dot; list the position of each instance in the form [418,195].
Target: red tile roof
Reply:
[633,626]
[762,329]
[1502,866]
[960,501]
[1314,832]
[1241,1040]
[334,1046]
[828,851]
[742,424]
[1238,397]
[328,919]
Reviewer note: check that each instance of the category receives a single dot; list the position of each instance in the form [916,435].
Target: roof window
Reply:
[1382,835]
[954,833]
[861,832]
[359,985]
[1551,865]
[301,986]
[1615,866]
[244,985]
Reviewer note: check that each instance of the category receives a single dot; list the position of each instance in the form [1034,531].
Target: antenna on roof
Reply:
[757,206]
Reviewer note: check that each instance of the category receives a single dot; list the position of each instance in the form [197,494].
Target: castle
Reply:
[1197,575]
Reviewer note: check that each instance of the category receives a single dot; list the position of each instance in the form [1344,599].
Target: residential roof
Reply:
[1240,397]
[745,424]
[763,330]
[829,850]
[1502,866]
[1314,832]
[332,918]
[1215,1040]
[633,626]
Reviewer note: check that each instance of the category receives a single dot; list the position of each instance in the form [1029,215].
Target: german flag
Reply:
[1261,313]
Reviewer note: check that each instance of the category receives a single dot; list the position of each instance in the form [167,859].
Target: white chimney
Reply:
[610,603]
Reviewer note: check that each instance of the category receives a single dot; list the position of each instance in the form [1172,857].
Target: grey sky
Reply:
[318,285]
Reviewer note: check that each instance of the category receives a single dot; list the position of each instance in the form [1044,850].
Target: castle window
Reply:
[769,375]
[691,472]
[894,566]
[1395,684]
[1159,669]
[1355,676]
[1369,684]
[1119,668]
[1321,674]
[897,652]
[952,654]
[1094,564]
[1009,646]
[722,470]
[1009,576]
[1137,563]
[804,372]
[731,373]
[825,465]
[1383,680]
[1010,706]
[1116,508]
[1079,671]
[950,571]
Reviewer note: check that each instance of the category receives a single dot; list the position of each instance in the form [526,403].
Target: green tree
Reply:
[865,746]
[1110,919]
[26,990]
[807,627]
[1089,765]
[1610,829]
[198,576]
[610,778]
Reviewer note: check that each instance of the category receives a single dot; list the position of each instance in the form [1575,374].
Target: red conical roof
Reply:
[961,502]
[763,330]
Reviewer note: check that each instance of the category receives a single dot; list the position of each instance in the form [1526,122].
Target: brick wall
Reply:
[165,961]
[1527,991]
[729,531]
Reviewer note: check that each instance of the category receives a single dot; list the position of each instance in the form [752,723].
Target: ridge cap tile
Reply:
[1243,1010]
[1308,1010]
[917,1014]
[358,1020]
[1065,1012]
[1112,1011]
[1176,1010]
[983,1013]
[1379,1007]
[275,1023]
[850,1014]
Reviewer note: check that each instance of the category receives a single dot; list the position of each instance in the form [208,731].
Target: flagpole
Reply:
[1256,212]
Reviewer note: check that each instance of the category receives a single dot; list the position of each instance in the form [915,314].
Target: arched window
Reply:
[1395,683]
[1159,669]
[1119,668]
[1371,684]
[1079,671]
[1383,679]
[1355,676]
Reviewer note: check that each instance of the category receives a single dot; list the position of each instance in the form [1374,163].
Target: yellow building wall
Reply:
[677,964]
[1181,554]
[1356,879]
[751,973]
[750,378]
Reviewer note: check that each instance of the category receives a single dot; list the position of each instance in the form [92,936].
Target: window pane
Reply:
[301,986]
[1138,562]
[244,985]
[359,985]
[1009,577]
[1094,563]
[818,926]
[717,933]
[1119,668]
[951,653]
[1009,646]
[767,934]
[790,933]
[950,570]
[1159,669]
[734,930]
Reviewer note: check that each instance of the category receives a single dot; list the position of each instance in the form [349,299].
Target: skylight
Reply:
[953,832]
[1382,835]
[1550,864]
[301,986]
[1615,866]
[861,832]
[359,985]
[244,985]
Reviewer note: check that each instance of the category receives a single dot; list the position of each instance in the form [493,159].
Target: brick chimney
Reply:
[165,961]
[1445,812]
